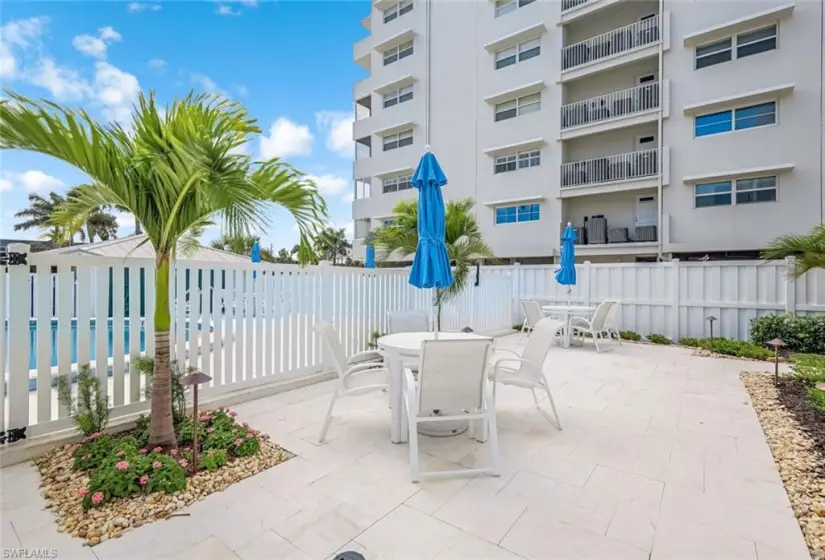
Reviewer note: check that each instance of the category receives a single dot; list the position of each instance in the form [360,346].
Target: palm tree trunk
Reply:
[90,234]
[161,428]
[138,229]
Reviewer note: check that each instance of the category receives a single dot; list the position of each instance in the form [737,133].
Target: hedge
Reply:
[804,334]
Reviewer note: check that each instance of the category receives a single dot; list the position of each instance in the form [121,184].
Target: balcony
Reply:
[567,5]
[572,10]
[609,236]
[620,172]
[614,110]
[361,52]
[617,47]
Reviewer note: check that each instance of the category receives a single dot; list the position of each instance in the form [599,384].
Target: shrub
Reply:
[630,335]
[817,398]
[186,432]
[89,408]
[213,459]
[142,430]
[690,342]
[808,369]
[93,452]
[129,474]
[737,348]
[146,366]
[658,339]
[804,334]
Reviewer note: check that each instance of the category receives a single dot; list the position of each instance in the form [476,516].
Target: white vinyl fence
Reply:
[676,298]
[245,325]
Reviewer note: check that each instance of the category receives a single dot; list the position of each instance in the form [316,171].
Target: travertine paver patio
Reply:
[661,457]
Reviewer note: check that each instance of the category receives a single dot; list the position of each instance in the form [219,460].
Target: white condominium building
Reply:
[658,128]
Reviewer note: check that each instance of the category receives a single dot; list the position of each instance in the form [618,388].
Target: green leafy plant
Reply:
[808,369]
[374,336]
[186,432]
[817,398]
[658,339]
[146,366]
[126,474]
[93,452]
[142,429]
[690,342]
[89,408]
[737,348]
[213,459]
[630,335]
[804,334]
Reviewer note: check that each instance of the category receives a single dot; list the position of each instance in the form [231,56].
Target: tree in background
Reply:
[808,250]
[176,170]
[241,245]
[331,245]
[465,243]
[41,211]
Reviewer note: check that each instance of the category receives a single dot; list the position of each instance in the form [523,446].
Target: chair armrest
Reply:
[366,366]
[523,361]
[508,351]
[410,392]
[365,356]
[580,321]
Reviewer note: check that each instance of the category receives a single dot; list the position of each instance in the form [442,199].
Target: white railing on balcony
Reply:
[570,4]
[619,167]
[611,105]
[613,42]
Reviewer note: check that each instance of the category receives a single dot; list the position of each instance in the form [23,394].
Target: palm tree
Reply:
[38,215]
[464,242]
[100,224]
[241,245]
[284,257]
[176,172]
[808,250]
[331,245]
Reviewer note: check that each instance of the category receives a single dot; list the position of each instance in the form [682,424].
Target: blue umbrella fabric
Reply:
[369,260]
[431,266]
[255,255]
[566,275]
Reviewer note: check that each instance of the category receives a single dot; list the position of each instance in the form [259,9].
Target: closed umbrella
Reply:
[431,266]
[566,275]
[255,255]
[369,258]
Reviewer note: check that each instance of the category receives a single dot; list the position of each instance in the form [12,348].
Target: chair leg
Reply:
[596,336]
[413,443]
[555,420]
[618,336]
[323,435]
[492,428]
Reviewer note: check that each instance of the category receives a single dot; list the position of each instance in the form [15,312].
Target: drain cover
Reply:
[349,555]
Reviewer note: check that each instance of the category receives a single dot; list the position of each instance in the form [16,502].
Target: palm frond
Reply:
[808,250]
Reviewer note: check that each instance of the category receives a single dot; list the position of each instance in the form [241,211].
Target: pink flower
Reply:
[210,429]
[82,493]
[245,424]
[144,451]
[121,453]
[144,480]
[157,450]
[97,497]
[233,414]
[256,432]
[173,452]
[95,435]
[183,463]
[250,436]
[157,465]
[238,441]
[122,465]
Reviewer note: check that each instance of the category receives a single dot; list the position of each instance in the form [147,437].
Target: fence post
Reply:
[588,275]
[790,286]
[327,311]
[516,314]
[674,306]
[20,298]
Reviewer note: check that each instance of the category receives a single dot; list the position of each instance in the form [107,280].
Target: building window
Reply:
[398,183]
[516,107]
[757,189]
[397,10]
[513,162]
[362,189]
[398,96]
[362,228]
[399,140]
[517,214]
[397,53]
[519,53]
[387,223]
[745,44]
[741,118]
[507,6]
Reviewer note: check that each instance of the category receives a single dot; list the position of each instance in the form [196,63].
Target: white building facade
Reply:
[658,128]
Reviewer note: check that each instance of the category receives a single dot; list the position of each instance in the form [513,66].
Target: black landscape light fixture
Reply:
[776,344]
[193,380]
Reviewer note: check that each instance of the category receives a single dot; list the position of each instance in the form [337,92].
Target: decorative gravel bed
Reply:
[796,435]
[61,486]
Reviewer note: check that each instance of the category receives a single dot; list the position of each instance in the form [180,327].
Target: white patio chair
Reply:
[611,325]
[453,385]
[532,314]
[595,325]
[362,373]
[408,321]
[525,370]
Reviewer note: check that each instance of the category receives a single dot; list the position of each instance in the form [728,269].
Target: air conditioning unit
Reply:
[617,235]
[597,230]
[645,233]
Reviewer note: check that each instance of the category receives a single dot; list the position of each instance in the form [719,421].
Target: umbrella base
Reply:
[444,429]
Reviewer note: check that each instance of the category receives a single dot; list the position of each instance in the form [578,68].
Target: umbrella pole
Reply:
[434,310]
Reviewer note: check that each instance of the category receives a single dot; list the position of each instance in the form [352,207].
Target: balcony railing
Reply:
[570,4]
[611,105]
[620,40]
[620,167]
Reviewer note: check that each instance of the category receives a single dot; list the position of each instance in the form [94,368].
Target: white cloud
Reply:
[32,181]
[125,221]
[227,11]
[329,185]
[16,38]
[207,84]
[96,46]
[142,7]
[157,64]
[338,128]
[63,84]
[116,91]
[241,90]
[286,138]
[348,197]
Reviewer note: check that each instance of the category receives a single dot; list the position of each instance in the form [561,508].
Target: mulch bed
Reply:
[795,432]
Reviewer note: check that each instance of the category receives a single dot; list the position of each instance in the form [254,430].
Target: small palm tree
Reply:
[38,215]
[332,245]
[464,241]
[176,171]
[808,250]
[241,245]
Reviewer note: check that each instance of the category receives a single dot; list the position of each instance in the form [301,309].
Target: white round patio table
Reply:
[405,348]
[568,312]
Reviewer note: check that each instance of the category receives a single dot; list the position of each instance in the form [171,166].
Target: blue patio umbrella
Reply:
[431,266]
[255,255]
[369,259]
[566,275]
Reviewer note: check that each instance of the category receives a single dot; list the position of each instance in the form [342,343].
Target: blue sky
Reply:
[289,62]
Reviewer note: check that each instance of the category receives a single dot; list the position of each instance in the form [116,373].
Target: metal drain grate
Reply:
[349,555]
